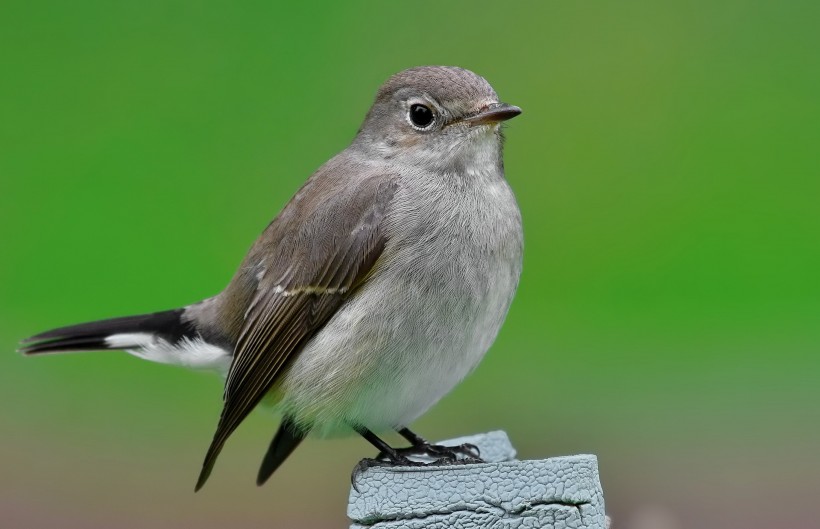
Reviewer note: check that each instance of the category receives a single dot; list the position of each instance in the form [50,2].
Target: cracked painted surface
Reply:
[560,492]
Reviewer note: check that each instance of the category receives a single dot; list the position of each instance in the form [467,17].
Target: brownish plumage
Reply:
[332,229]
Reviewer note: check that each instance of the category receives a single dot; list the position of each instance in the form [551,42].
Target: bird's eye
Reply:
[421,116]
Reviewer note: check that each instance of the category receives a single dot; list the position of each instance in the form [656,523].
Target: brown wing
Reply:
[319,250]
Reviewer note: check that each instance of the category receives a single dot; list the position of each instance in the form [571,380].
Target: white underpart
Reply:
[428,315]
[196,353]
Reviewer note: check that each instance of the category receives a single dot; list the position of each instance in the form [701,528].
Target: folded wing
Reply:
[317,252]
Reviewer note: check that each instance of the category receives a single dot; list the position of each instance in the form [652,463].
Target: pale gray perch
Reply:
[503,493]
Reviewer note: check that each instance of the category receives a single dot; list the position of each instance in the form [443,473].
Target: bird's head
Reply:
[441,118]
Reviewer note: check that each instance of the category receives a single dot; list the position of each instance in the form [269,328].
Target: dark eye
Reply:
[421,116]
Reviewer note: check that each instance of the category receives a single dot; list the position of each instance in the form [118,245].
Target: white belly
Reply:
[422,322]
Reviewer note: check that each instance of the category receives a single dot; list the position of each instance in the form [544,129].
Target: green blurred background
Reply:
[667,169]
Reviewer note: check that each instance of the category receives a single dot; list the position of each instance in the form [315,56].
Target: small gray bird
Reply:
[379,286]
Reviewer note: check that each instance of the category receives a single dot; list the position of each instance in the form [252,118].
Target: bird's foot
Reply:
[444,455]
[459,454]
[386,460]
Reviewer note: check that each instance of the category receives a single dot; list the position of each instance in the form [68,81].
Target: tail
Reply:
[117,333]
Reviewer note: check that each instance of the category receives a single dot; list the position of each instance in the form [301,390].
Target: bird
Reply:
[377,288]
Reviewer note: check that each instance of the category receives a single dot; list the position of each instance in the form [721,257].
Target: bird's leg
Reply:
[385,450]
[445,455]
[469,452]
[387,456]
[415,440]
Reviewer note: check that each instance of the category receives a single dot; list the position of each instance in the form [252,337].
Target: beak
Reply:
[494,113]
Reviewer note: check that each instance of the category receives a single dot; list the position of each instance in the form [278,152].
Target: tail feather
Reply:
[94,336]
[83,343]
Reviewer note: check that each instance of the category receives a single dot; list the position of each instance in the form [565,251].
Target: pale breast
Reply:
[425,318]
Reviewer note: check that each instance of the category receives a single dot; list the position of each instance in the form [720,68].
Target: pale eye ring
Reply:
[421,116]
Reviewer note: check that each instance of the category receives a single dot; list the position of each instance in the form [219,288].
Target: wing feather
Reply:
[338,242]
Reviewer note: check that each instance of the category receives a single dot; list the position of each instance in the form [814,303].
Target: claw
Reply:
[467,451]
[471,448]
[360,467]
[382,460]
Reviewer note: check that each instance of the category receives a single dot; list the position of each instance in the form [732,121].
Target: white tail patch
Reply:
[129,339]
[196,353]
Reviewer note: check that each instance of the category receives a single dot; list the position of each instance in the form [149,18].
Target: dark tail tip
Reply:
[70,343]
[92,336]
